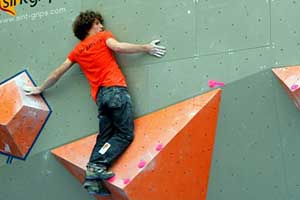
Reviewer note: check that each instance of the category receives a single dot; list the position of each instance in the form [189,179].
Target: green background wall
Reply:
[256,153]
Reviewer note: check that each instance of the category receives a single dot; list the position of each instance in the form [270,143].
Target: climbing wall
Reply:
[256,154]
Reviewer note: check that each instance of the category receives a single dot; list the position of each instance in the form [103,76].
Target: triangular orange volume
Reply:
[289,78]
[169,159]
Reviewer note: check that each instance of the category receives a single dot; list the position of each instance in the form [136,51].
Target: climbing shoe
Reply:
[97,172]
[96,188]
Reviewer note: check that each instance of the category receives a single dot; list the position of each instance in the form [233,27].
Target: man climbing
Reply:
[108,89]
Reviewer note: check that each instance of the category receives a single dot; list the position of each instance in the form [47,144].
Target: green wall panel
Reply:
[289,122]
[42,30]
[138,84]
[40,177]
[232,25]
[170,82]
[285,32]
[248,157]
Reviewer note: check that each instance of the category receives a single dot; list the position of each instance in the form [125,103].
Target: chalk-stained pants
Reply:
[116,125]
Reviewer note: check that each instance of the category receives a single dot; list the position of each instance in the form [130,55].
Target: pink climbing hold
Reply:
[112,179]
[214,83]
[159,147]
[126,181]
[142,164]
[294,87]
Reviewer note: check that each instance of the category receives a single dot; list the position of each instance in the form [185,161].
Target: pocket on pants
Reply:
[115,101]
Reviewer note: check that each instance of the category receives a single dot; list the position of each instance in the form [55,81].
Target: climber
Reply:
[94,54]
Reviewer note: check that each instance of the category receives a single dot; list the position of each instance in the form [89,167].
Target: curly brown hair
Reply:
[84,22]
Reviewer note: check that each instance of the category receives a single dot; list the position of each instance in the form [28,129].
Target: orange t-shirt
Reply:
[97,62]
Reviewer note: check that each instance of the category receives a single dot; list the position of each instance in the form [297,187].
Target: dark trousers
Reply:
[115,125]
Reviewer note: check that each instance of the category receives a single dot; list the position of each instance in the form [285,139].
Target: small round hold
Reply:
[126,181]
[159,147]
[112,179]
[142,164]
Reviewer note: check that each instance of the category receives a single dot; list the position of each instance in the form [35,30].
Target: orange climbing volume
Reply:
[289,78]
[21,118]
[169,159]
